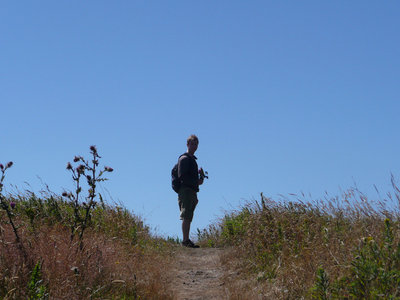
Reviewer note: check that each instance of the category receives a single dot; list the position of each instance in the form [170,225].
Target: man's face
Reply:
[192,146]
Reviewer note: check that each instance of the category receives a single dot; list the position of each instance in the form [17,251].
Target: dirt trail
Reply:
[198,274]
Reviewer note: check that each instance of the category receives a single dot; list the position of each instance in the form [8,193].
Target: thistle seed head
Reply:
[69,166]
[93,149]
[80,169]
[9,164]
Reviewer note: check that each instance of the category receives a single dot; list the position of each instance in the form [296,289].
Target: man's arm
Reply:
[183,166]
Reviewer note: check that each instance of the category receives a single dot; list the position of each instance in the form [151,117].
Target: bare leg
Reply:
[185,229]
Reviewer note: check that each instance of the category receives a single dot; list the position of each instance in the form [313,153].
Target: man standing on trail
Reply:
[188,175]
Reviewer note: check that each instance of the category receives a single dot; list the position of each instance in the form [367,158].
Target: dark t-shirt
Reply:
[188,171]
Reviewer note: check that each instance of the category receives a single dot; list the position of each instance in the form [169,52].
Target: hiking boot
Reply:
[190,244]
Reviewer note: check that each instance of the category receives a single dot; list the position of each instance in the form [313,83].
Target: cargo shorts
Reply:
[187,200]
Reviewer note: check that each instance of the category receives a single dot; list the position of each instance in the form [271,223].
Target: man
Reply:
[188,175]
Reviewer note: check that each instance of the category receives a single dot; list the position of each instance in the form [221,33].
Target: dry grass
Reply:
[336,248]
[340,247]
[119,259]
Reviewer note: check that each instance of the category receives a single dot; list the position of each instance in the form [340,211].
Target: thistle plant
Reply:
[74,197]
[87,169]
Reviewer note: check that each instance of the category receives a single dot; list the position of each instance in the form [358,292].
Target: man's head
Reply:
[192,144]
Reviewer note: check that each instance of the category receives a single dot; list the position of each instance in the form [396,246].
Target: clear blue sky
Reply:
[285,97]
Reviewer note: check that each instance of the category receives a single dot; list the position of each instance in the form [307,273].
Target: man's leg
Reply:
[185,229]
[187,203]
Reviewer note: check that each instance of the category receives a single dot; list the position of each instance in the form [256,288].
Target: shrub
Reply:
[375,269]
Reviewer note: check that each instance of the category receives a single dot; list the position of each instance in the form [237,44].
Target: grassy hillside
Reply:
[339,248]
[118,258]
[346,248]
[75,246]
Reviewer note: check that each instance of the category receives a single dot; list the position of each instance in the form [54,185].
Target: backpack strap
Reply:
[184,154]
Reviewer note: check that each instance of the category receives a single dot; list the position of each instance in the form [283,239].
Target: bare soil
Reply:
[198,274]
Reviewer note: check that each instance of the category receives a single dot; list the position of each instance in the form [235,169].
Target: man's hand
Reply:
[202,176]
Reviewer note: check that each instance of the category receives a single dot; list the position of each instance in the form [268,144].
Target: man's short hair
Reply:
[193,138]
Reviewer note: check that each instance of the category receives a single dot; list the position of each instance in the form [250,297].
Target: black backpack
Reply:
[176,183]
